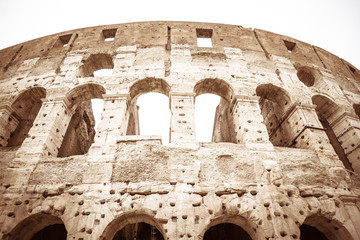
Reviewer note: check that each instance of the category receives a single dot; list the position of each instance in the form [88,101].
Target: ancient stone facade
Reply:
[284,162]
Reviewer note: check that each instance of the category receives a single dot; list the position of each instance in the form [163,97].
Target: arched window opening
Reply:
[310,233]
[325,109]
[139,230]
[39,227]
[213,117]
[134,226]
[96,65]
[149,112]
[26,107]
[274,102]
[321,228]
[226,231]
[306,75]
[81,129]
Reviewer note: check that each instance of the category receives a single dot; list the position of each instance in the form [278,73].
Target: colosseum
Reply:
[284,161]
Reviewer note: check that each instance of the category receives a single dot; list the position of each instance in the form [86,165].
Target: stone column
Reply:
[182,125]
[113,123]
[248,123]
[346,127]
[303,129]
[49,128]
[8,124]
[354,214]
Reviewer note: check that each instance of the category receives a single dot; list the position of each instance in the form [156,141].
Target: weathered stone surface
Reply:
[284,157]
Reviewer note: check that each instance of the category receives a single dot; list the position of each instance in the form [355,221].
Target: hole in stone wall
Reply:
[154,115]
[306,76]
[289,45]
[204,37]
[226,231]
[63,40]
[109,34]
[96,64]
[352,69]
[139,230]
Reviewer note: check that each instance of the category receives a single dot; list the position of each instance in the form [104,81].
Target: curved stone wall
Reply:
[285,158]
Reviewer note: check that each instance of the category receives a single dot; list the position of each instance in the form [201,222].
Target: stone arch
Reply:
[215,86]
[330,228]
[253,231]
[80,132]
[274,103]
[95,62]
[83,93]
[276,95]
[223,128]
[122,221]
[327,110]
[26,106]
[39,226]
[149,85]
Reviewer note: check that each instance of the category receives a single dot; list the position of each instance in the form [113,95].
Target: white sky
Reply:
[333,25]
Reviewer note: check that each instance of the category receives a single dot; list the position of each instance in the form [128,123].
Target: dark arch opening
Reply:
[123,227]
[26,107]
[306,75]
[95,63]
[274,102]
[138,230]
[53,232]
[226,231]
[322,228]
[308,232]
[38,227]
[325,108]
[80,131]
[216,113]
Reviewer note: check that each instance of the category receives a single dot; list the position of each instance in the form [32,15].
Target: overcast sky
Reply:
[333,25]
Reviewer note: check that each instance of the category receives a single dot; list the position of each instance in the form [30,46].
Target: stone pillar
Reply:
[8,124]
[354,214]
[346,127]
[113,123]
[49,128]
[182,125]
[303,129]
[248,123]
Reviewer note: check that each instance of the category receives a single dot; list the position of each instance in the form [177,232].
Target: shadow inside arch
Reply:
[141,224]
[37,227]
[227,227]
